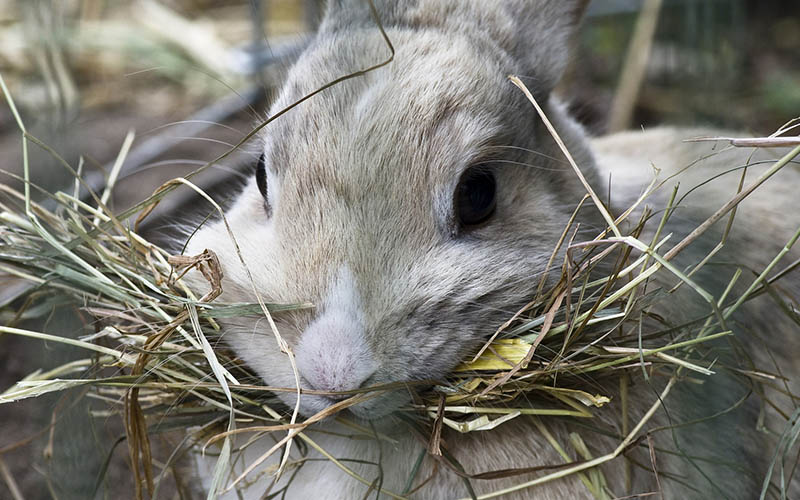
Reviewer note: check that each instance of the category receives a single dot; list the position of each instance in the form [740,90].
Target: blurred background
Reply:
[190,78]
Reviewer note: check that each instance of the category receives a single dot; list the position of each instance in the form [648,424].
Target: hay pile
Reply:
[152,357]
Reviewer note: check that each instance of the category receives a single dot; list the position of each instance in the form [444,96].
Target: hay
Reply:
[152,358]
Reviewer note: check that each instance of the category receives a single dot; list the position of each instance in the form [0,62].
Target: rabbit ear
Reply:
[536,33]
[543,32]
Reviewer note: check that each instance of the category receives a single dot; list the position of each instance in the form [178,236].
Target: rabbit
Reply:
[417,206]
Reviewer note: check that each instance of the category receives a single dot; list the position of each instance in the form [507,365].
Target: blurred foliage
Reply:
[726,63]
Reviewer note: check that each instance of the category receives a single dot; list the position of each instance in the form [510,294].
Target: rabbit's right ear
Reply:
[542,37]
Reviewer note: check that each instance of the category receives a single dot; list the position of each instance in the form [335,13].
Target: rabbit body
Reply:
[356,213]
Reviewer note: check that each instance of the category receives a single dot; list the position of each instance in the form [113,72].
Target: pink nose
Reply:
[333,354]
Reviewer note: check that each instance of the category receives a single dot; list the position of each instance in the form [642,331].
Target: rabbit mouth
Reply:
[380,406]
[372,406]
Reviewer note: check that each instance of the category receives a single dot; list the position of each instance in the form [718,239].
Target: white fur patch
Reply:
[333,354]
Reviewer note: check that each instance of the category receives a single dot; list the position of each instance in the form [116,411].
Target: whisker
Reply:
[203,139]
[531,151]
[522,164]
[184,161]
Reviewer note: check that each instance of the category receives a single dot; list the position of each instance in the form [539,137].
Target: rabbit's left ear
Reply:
[543,34]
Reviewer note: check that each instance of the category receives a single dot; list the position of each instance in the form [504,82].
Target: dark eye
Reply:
[475,197]
[261,176]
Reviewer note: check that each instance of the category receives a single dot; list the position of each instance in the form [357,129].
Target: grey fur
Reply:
[361,178]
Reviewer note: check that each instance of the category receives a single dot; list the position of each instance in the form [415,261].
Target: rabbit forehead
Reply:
[437,95]
[454,60]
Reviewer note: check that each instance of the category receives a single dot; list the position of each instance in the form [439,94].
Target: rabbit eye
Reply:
[475,197]
[261,176]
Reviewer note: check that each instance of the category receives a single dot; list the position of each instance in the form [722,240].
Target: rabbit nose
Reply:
[333,354]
